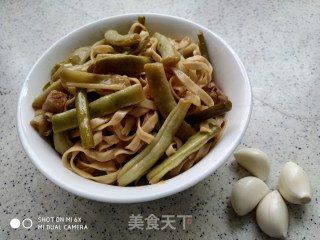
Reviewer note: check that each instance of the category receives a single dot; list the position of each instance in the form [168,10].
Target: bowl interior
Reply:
[229,74]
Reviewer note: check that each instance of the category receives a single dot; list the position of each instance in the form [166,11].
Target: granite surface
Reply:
[279,44]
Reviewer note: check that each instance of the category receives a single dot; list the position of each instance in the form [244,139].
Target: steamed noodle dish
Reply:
[133,108]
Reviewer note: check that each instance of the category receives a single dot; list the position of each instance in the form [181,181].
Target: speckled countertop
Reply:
[278,42]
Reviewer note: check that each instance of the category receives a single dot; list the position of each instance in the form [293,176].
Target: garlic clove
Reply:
[272,215]
[294,184]
[254,161]
[246,194]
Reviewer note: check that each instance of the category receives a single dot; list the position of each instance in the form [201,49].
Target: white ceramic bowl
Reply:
[230,75]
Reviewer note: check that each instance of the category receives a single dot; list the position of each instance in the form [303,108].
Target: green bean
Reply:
[192,145]
[138,29]
[55,72]
[55,68]
[162,96]
[80,55]
[70,78]
[38,101]
[83,117]
[46,85]
[170,56]
[141,163]
[203,46]
[64,121]
[115,101]
[104,105]
[142,20]
[210,112]
[120,64]
[159,87]
[61,142]
[113,38]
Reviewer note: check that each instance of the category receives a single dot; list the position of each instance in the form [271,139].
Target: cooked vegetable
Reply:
[142,19]
[80,55]
[170,56]
[105,105]
[120,64]
[61,142]
[193,144]
[141,163]
[113,38]
[210,112]
[163,97]
[70,78]
[46,85]
[83,117]
[203,46]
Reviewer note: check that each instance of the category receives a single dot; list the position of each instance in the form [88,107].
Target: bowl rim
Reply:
[130,193]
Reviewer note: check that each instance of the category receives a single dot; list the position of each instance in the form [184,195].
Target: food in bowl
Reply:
[133,108]
[229,73]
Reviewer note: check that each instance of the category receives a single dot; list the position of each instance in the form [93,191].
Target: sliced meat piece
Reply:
[217,95]
[55,102]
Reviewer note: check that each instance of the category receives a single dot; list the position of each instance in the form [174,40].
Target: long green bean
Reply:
[192,145]
[141,163]
[70,78]
[210,112]
[120,64]
[162,96]
[83,117]
[142,20]
[113,38]
[203,46]
[46,85]
[170,56]
[38,101]
[100,107]
[80,55]
[61,142]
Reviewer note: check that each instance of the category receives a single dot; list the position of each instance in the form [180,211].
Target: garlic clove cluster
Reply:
[254,161]
[272,215]
[247,193]
[294,184]
[271,209]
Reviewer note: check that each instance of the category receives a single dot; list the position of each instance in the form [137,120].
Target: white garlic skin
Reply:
[254,161]
[294,184]
[272,215]
[247,193]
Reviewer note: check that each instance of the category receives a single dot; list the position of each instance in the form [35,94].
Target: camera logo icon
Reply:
[26,223]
